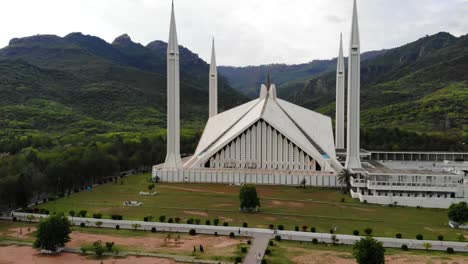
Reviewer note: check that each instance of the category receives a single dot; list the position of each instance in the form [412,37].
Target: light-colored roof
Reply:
[310,131]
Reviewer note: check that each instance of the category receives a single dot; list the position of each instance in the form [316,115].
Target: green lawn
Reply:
[289,252]
[291,206]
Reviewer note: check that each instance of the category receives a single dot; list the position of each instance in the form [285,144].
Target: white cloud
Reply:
[247,32]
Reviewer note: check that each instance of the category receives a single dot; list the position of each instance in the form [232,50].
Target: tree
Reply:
[369,251]
[344,177]
[136,226]
[458,212]
[98,248]
[53,232]
[249,199]
[427,246]
[151,187]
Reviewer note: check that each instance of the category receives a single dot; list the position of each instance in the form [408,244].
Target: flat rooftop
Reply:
[406,167]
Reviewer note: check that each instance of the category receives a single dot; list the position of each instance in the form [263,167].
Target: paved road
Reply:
[257,249]
[255,232]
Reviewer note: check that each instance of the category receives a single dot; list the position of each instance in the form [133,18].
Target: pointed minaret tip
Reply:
[355,39]
[213,69]
[173,45]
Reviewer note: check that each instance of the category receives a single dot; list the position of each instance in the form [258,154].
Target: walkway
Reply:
[257,249]
[255,232]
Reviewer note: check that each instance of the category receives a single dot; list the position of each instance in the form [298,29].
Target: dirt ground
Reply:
[28,255]
[332,257]
[153,243]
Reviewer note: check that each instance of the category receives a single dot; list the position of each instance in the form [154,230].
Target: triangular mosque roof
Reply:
[310,131]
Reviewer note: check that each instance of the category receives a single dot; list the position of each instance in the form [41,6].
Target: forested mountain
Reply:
[248,79]
[82,84]
[420,87]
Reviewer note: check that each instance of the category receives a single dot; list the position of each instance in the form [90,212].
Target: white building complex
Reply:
[271,141]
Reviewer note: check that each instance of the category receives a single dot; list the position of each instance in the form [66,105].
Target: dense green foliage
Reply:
[63,169]
[248,197]
[369,251]
[53,232]
[421,89]
[458,212]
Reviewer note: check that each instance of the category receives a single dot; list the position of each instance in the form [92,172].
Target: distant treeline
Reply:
[34,172]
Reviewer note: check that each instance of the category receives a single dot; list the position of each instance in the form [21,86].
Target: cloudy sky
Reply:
[247,32]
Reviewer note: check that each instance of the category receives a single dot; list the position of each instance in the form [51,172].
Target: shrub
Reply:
[231,235]
[162,218]
[314,241]
[404,247]
[116,217]
[216,222]
[238,259]
[215,234]
[304,228]
[245,224]
[83,250]
[450,250]
[398,235]
[98,248]
[177,220]
[419,237]
[296,228]
[72,213]
[82,213]
[280,227]
[342,200]
[267,251]
[332,231]
[440,237]
[192,232]
[243,249]
[368,250]
[117,227]
[313,230]
[225,224]
[97,216]
[109,246]
[278,238]
[427,246]
[14,219]
[82,225]
[170,220]
[271,243]
[271,226]
[264,261]
[98,224]
[145,219]
[356,232]
[197,221]
[190,221]
[207,222]
[153,230]
[368,231]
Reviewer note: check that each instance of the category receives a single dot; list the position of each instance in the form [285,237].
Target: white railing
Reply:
[385,185]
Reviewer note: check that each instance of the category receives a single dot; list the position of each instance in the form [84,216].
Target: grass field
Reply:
[290,206]
[287,252]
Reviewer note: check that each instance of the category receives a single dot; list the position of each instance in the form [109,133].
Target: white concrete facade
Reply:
[340,100]
[237,176]
[173,159]
[354,86]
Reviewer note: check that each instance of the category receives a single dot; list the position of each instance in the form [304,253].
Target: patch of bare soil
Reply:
[196,213]
[20,232]
[226,219]
[358,208]
[223,205]
[151,243]
[304,256]
[28,255]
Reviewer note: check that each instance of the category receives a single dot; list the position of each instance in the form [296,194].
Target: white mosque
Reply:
[271,141]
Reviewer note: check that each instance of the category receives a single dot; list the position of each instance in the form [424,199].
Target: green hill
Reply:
[421,87]
[82,84]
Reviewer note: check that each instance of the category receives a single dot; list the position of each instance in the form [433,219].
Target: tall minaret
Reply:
[173,160]
[354,86]
[213,83]
[340,97]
